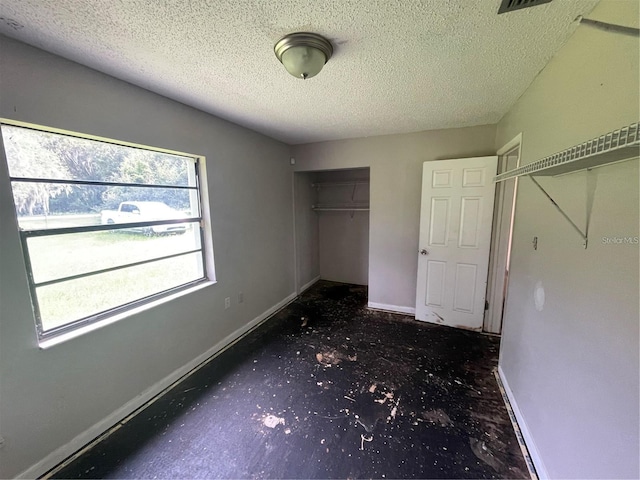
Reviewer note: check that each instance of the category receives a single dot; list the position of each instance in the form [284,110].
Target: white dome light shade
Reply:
[303,62]
[303,54]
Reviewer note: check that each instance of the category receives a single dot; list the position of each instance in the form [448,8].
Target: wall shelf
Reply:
[617,146]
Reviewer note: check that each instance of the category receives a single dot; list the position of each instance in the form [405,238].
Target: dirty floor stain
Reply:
[325,389]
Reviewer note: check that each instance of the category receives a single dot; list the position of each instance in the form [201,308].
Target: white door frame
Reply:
[501,240]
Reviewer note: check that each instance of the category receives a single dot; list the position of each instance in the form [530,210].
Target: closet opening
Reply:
[332,226]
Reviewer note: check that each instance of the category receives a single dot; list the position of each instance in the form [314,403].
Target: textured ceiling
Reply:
[399,65]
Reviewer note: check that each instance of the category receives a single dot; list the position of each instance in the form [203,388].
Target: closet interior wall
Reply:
[342,208]
[307,236]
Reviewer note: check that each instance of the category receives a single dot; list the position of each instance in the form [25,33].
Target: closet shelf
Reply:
[619,145]
[351,207]
[351,183]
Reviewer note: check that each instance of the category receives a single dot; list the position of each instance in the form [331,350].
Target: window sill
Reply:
[65,337]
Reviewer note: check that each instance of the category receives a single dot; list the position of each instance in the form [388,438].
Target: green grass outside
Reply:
[65,255]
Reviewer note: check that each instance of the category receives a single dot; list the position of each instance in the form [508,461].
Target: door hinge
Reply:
[486,305]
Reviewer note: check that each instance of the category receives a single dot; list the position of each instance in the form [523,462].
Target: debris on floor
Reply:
[480,450]
[328,358]
[272,421]
[437,416]
[363,439]
[334,357]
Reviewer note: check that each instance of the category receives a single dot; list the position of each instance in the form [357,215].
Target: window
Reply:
[104,226]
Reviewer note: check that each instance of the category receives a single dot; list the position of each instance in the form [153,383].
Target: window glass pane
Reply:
[64,302]
[79,253]
[53,205]
[37,154]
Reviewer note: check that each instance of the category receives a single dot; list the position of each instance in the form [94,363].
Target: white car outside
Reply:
[130,212]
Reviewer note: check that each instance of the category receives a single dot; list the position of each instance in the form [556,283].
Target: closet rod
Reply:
[336,209]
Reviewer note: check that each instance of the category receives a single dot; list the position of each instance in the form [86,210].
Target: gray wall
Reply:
[48,397]
[344,236]
[572,367]
[395,190]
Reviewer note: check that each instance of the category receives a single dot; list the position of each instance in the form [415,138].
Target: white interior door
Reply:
[455,236]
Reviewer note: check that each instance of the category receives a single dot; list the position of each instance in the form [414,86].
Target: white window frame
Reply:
[79,326]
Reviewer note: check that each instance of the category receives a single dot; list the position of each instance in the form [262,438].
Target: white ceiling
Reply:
[399,65]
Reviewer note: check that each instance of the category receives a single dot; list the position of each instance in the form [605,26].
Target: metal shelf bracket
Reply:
[585,238]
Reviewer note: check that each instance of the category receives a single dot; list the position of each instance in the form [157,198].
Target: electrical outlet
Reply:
[240,297]
[227,302]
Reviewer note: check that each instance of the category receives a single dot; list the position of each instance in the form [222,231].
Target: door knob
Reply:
[424,252]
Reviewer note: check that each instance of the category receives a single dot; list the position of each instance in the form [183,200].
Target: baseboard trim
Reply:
[392,308]
[521,425]
[308,285]
[115,420]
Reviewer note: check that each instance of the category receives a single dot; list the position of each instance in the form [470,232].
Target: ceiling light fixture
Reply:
[303,54]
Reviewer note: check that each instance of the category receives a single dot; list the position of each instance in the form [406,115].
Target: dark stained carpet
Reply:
[325,389]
